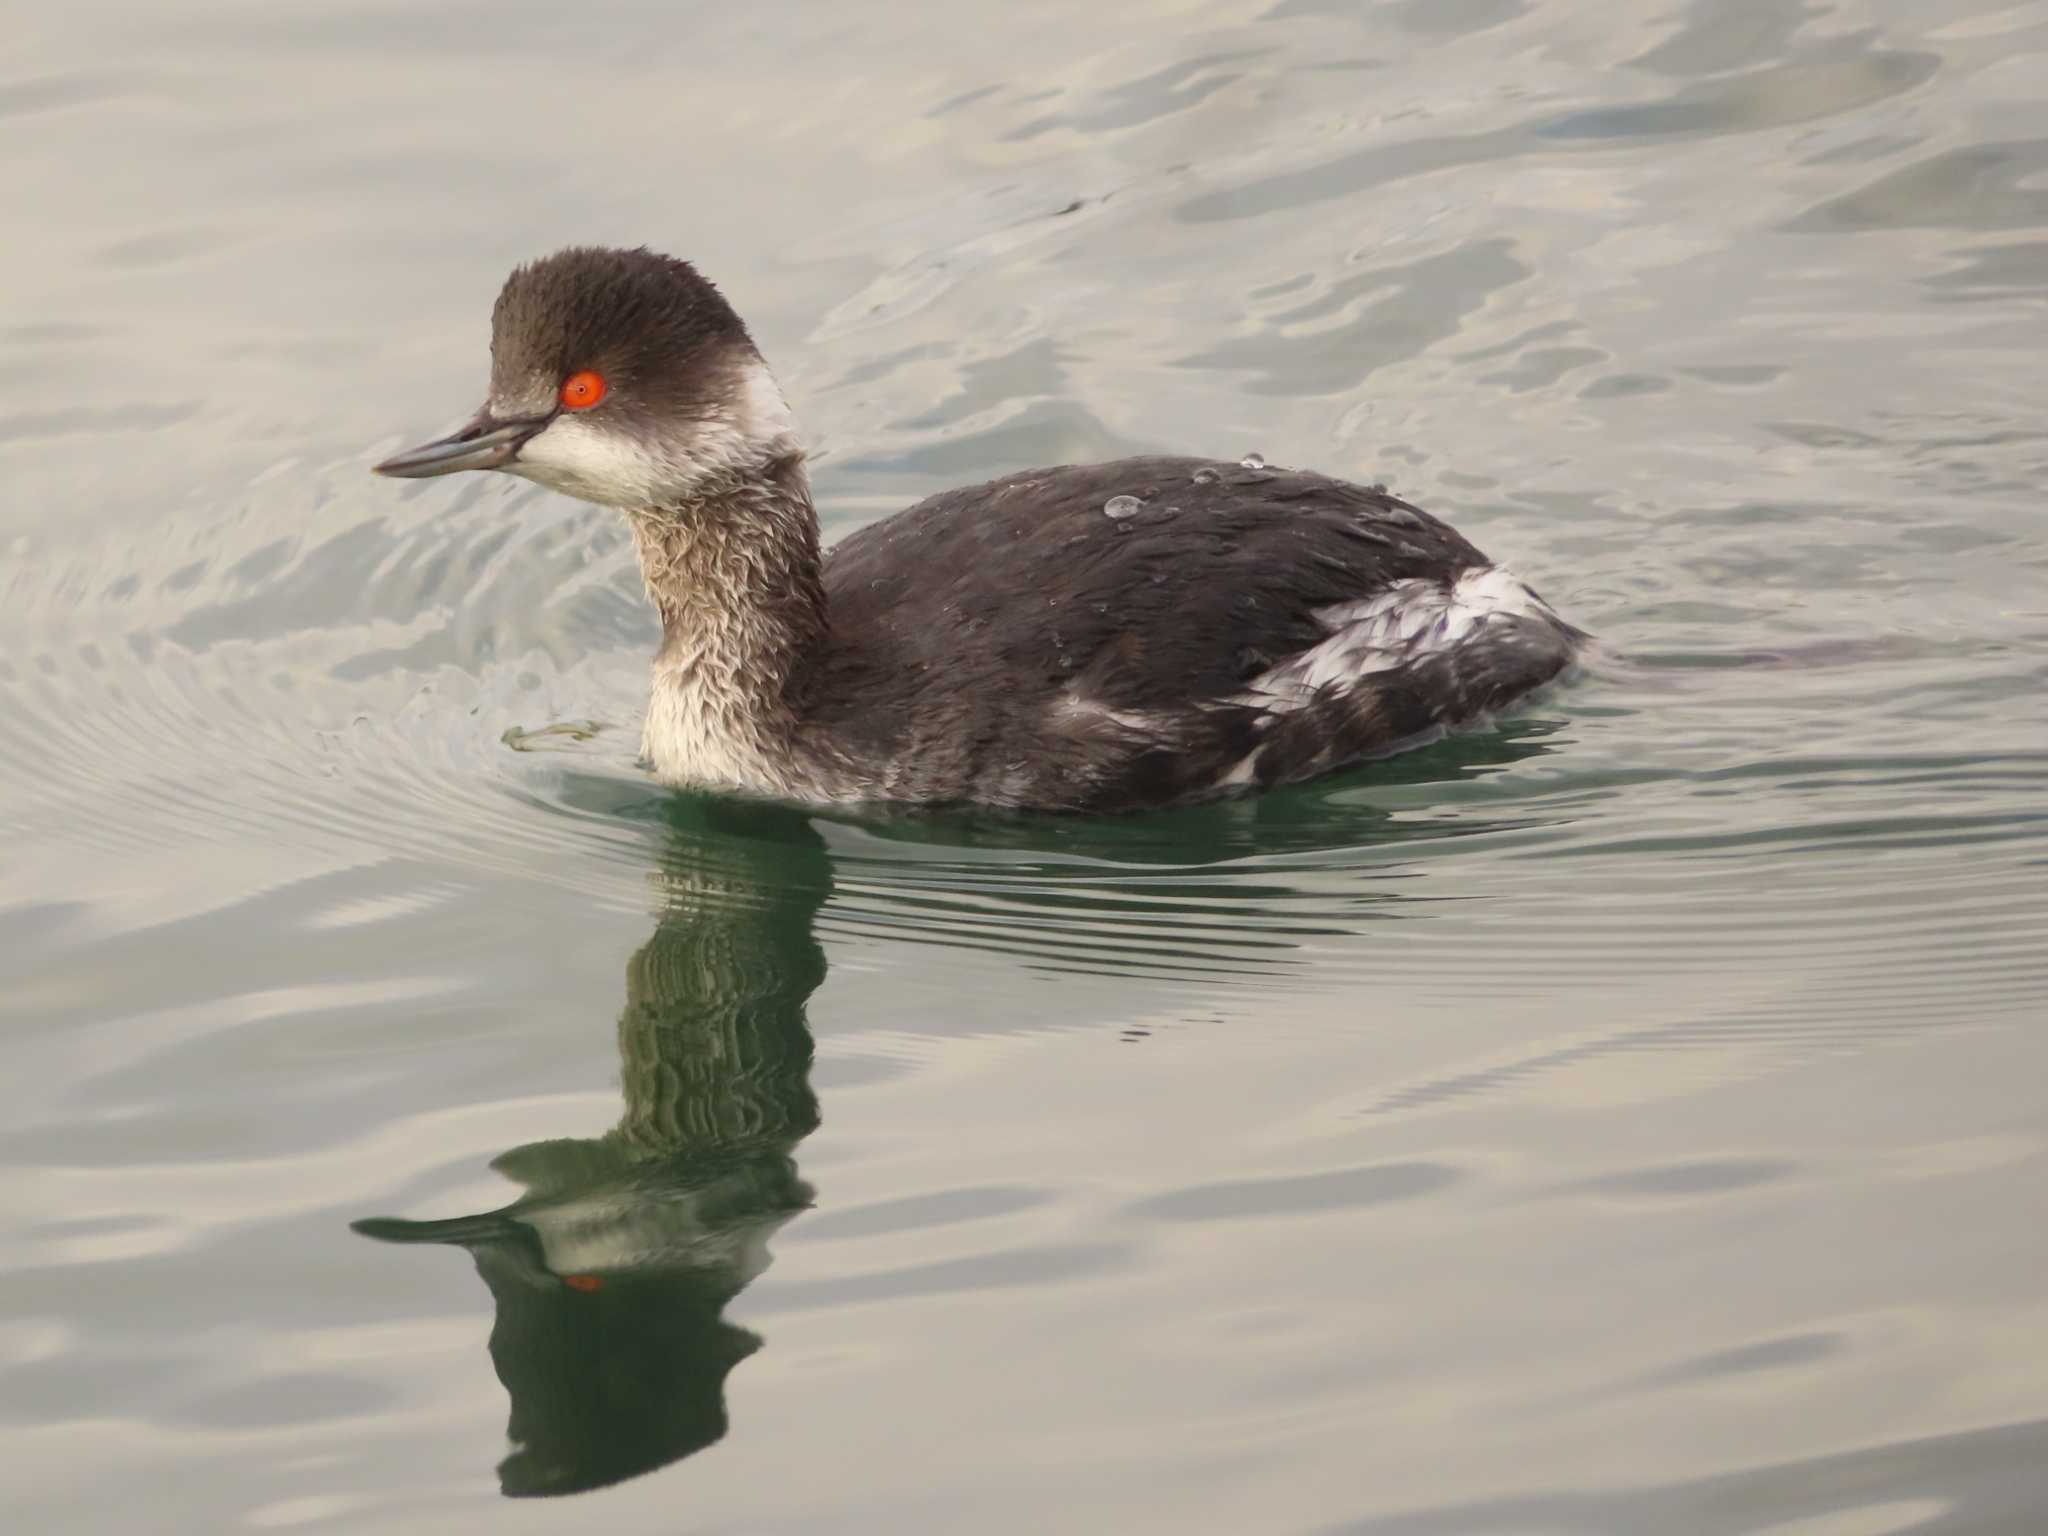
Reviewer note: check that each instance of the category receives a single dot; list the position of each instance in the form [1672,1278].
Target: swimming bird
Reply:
[1086,638]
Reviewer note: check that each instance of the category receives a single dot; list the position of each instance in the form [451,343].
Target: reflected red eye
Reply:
[584,1283]
[582,390]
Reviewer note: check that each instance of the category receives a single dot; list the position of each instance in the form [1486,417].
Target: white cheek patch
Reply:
[580,458]
[584,455]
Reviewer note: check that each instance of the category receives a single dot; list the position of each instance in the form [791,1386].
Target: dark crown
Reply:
[640,318]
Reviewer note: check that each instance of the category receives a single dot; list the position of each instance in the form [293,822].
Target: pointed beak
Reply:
[485,443]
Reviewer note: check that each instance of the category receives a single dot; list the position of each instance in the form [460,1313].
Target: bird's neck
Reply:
[737,577]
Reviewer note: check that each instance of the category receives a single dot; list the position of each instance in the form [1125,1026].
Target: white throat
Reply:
[714,713]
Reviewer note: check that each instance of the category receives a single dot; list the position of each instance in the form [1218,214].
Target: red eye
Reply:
[582,390]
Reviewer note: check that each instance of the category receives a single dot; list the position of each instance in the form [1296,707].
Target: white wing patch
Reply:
[1486,590]
[1406,622]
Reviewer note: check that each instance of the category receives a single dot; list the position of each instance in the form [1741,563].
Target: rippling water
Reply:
[1627,1119]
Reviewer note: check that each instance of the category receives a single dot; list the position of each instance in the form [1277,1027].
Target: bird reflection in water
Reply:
[610,1274]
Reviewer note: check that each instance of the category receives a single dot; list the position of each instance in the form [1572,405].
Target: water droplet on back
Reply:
[1117,508]
[1252,461]
[1206,476]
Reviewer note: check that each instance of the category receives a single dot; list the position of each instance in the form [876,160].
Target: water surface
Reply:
[1624,1119]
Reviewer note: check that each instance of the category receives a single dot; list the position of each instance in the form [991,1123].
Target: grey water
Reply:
[1627,1118]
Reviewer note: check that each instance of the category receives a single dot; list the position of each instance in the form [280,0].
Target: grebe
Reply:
[1098,637]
